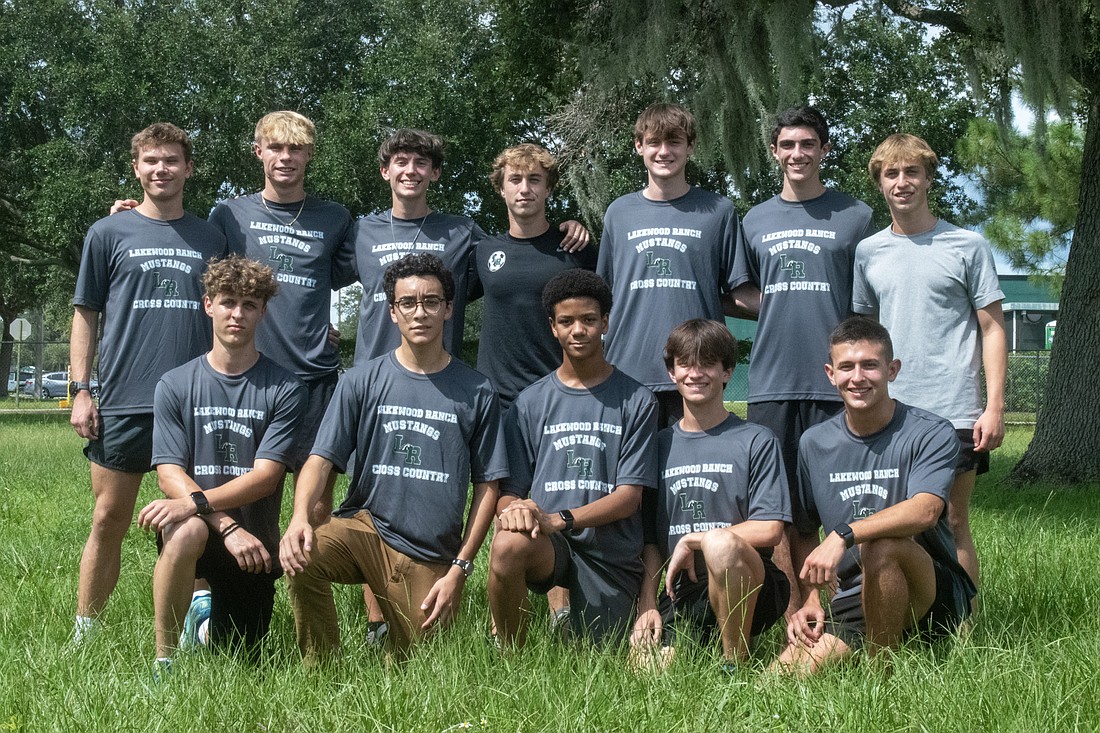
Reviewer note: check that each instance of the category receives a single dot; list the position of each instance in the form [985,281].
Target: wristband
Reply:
[233,526]
[846,534]
[466,566]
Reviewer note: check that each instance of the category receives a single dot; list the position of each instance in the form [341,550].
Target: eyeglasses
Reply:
[432,304]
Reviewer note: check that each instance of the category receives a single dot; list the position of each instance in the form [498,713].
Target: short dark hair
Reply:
[159,134]
[418,264]
[860,328]
[701,341]
[576,283]
[237,275]
[802,117]
[419,142]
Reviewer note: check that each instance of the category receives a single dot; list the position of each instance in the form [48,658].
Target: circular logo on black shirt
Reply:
[496,261]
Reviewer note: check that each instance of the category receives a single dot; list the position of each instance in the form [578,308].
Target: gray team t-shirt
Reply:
[144,276]
[382,239]
[517,346]
[418,440]
[216,425]
[926,290]
[311,258]
[716,478]
[666,262]
[800,255]
[569,447]
[844,477]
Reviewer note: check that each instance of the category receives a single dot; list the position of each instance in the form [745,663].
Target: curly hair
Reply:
[576,283]
[418,264]
[237,275]
[525,157]
[158,134]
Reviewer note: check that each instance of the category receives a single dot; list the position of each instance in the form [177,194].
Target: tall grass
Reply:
[1028,665]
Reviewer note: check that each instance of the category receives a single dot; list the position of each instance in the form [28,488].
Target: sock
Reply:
[84,629]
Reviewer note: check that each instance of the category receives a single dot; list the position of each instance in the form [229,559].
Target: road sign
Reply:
[20,329]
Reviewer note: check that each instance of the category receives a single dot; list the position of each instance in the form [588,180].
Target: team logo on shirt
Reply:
[662,265]
[694,507]
[859,512]
[226,449]
[170,287]
[412,452]
[284,262]
[795,268]
[496,260]
[583,465]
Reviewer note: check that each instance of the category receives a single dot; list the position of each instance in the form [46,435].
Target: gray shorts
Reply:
[320,393]
[950,608]
[125,443]
[970,459]
[601,598]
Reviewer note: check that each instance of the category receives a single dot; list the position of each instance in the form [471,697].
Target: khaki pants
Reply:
[350,551]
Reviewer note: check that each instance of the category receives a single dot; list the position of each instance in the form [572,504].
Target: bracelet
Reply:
[233,527]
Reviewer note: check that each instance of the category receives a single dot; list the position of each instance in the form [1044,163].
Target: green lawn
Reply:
[1027,666]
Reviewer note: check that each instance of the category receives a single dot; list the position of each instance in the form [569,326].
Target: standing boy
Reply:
[141,275]
[581,452]
[667,252]
[224,432]
[935,288]
[720,507]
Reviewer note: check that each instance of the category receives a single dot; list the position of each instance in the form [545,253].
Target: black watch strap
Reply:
[567,517]
[846,534]
[75,387]
[201,504]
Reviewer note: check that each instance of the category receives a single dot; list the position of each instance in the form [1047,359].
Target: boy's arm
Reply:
[442,601]
[297,542]
[649,625]
[82,346]
[989,430]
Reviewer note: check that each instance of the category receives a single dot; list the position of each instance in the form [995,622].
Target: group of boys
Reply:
[602,471]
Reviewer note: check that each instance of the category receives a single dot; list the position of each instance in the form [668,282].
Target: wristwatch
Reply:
[201,504]
[466,566]
[75,387]
[567,517]
[846,534]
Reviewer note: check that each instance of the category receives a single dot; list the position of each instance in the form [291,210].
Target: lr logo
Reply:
[285,262]
[412,452]
[227,450]
[795,268]
[662,265]
[170,288]
[695,507]
[583,465]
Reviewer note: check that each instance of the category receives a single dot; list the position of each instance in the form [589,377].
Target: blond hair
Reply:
[902,147]
[286,127]
[525,157]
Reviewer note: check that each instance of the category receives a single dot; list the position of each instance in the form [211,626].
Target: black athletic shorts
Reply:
[125,443]
[601,603]
[788,419]
[670,408]
[320,393]
[692,609]
[844,618]
[970,459]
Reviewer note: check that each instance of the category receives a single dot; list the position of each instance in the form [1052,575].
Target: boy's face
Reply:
[700,384]
[235,317]
[525,191]
[799,151]
[578,326]
[419,309]
[904,185]
[284,163]
[861,373]
[666,156]
[162,171]
[409,175]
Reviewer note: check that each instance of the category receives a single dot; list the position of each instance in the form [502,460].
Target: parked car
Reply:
[55,385]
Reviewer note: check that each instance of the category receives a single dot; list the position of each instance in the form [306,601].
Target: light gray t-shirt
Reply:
[926,290]
[800,255]
[844,477]
[666,262]
[716,478]
[216,425]
[144,276]
[418,440]
[568,447]
[382,239]
[311,258]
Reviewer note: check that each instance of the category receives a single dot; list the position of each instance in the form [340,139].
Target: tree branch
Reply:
[955,22]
